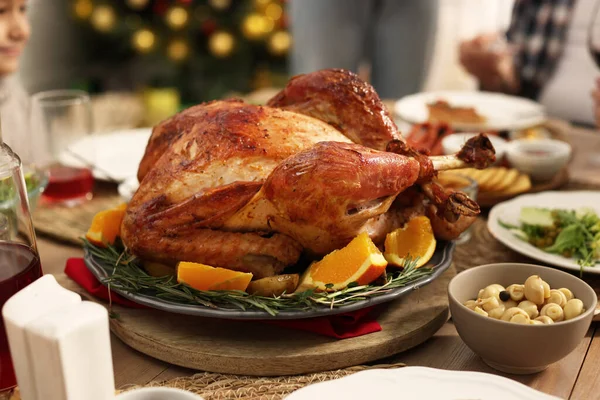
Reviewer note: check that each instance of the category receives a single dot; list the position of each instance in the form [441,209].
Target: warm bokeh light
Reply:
[144,40]
[280,43]
[178,50]
[261,4]
[83,9]
[221,44]
[256,26]
[177,17]
[137,4]
[220,4]
[103,18]
[274,11]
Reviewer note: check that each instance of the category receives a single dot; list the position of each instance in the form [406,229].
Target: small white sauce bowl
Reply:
[453,143]
[157,393]
[540,159]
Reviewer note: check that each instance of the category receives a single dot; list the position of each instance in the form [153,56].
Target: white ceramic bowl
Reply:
[157,393]
[453,143]
[541,159]
[510,347]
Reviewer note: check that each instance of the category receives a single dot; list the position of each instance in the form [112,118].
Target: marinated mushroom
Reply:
[530,308]
[553,311]
[520,319]
[511,312]
[471,304]
[497,312]
[557,297]
[544,319]
[491,291]
[516,292]
[568,294]
[489,303]
[534,289]
[573,308]
[478,310]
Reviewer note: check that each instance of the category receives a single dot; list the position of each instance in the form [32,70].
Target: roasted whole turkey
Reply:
[251,188]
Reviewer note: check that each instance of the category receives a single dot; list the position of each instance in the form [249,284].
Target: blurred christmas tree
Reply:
[204,48]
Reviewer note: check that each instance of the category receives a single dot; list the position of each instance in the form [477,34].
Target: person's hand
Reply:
[596,97]
[489,59]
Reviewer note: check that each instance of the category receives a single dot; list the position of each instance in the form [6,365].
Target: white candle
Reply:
[39,298]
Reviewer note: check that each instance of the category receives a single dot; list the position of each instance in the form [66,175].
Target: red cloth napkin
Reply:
[340,326]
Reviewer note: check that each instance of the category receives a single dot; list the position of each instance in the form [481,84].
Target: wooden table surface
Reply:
[574,377]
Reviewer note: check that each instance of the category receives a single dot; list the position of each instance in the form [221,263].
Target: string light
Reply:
[280,43]
[178,50]
[144,40]
[83,9]
[221,44]
[274,11]
[103,18]
[256,26]
[177,17]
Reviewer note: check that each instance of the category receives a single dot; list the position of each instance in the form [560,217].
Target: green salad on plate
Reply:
[569,233]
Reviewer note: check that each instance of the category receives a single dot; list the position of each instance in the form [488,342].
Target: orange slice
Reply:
[106,226]
[205,277]
[360,261]
[415,239]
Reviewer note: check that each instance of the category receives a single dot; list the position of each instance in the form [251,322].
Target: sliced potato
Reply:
[497,175]
[509,179]
[158,270]
[274,285]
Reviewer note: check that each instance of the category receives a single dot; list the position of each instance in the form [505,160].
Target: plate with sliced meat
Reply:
[469,110]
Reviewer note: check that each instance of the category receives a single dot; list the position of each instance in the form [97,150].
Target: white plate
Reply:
[509,212]
[502,112]
[419,383]
[117,154]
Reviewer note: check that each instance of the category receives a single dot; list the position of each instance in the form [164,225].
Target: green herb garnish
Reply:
[125,273]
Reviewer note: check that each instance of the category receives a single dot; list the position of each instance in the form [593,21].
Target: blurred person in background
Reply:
[14,101]
[395,37]
[544,56]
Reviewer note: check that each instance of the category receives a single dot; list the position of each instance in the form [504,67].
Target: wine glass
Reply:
[19,259]
[62,120]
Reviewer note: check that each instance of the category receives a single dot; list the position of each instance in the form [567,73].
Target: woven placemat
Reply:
[212,386]
[69,224]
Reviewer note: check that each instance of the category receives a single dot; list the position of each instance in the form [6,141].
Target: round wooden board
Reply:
[257,348]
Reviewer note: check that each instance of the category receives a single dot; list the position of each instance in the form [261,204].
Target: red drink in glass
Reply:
[68,184]
[19,266]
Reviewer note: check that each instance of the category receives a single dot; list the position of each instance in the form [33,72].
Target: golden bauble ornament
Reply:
[178,50]
[137,4]
[219,4]
[280,43]
[83,9]
[261,4]
[256,26]
[177,17]
[144,40]
[103,18]
[221,44]
[274,11]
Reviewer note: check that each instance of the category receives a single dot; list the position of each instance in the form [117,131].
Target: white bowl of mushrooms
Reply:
[520,318]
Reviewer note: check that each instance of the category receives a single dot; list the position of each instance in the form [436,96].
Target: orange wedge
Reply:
[360,261]
[415,239]
[205,277]
[106,226]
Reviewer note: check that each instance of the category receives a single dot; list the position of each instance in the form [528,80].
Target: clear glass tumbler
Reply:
[19,258]
[62,121]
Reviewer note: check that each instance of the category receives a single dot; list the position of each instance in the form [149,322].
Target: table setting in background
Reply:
[352,307]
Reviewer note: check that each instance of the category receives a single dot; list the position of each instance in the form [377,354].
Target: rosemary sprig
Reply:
[125,273]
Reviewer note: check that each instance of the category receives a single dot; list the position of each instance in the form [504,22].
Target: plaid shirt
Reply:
[537,31]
